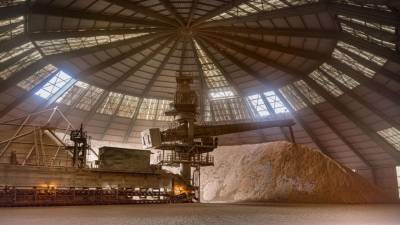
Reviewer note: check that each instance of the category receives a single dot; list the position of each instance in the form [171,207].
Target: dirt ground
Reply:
[202,214]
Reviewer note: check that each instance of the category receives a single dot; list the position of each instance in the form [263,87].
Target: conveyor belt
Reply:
[48,196]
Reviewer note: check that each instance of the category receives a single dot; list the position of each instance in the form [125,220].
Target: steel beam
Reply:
[191,13]
[353,118]
[385,36]
[379,69]
[94,108]
[218,11]
[83,75]
[264,80]
[72,106]
[303,124]
[363,13]
[4,65]
[184,46]
[50,35]
[336,131]
[364,103]
[113,116]
[367,46]
[16,41]
[267,15]
[10,26]
[251,54]
[253,73]
[26,95]
[167,4]
[53,98]
[203,85]
[333,34]
[22,74]
[135,6]
[273,46]
[133,120]
[159,69]
[148,86]
[13,11]
[339,106]
[60,57]
[272,113]
[219,66]
[60,12]
[365,81]
[140,64]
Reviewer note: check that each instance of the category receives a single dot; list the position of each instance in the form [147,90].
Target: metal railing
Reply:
[176,158]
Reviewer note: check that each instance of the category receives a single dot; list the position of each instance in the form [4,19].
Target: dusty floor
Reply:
[189,214]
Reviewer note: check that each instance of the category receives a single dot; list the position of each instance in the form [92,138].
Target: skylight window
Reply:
[55,46]
[90,98]
[230,109]
[367,37]
[255,6]
[110,104]
[6,55]
[16,27]
[37,77]
[239,108]
[222,111]
[362,53]
[207,110]
[346,59]
[275,102]
[376,26]
[10,21]
[54,85]
[365,5]
[11,2]
[221,93]
[212,75]
[324,82]
[308,92]
[128,106]
[163,105]
[392,136]
[72,95]
[148,109]
[258,104]
[292,97]
[338,75]
[20,64]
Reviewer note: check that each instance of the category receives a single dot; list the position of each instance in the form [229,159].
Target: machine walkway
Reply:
[51,196]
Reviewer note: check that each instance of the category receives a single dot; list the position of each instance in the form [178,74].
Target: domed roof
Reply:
[111,64]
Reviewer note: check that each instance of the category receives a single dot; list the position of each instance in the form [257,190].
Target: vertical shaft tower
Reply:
[184,111]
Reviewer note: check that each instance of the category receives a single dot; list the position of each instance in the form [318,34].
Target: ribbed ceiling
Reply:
[137,47]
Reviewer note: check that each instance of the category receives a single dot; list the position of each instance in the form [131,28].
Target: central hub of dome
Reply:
[186,31]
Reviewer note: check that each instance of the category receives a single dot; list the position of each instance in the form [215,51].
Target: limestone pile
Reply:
[283,172]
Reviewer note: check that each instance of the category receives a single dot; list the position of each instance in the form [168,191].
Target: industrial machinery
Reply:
[80,147]
[188,144]
[41,165]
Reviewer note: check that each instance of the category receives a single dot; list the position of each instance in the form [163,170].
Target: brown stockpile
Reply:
[283,172]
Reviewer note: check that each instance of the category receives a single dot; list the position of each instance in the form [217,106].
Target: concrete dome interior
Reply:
[333,66]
